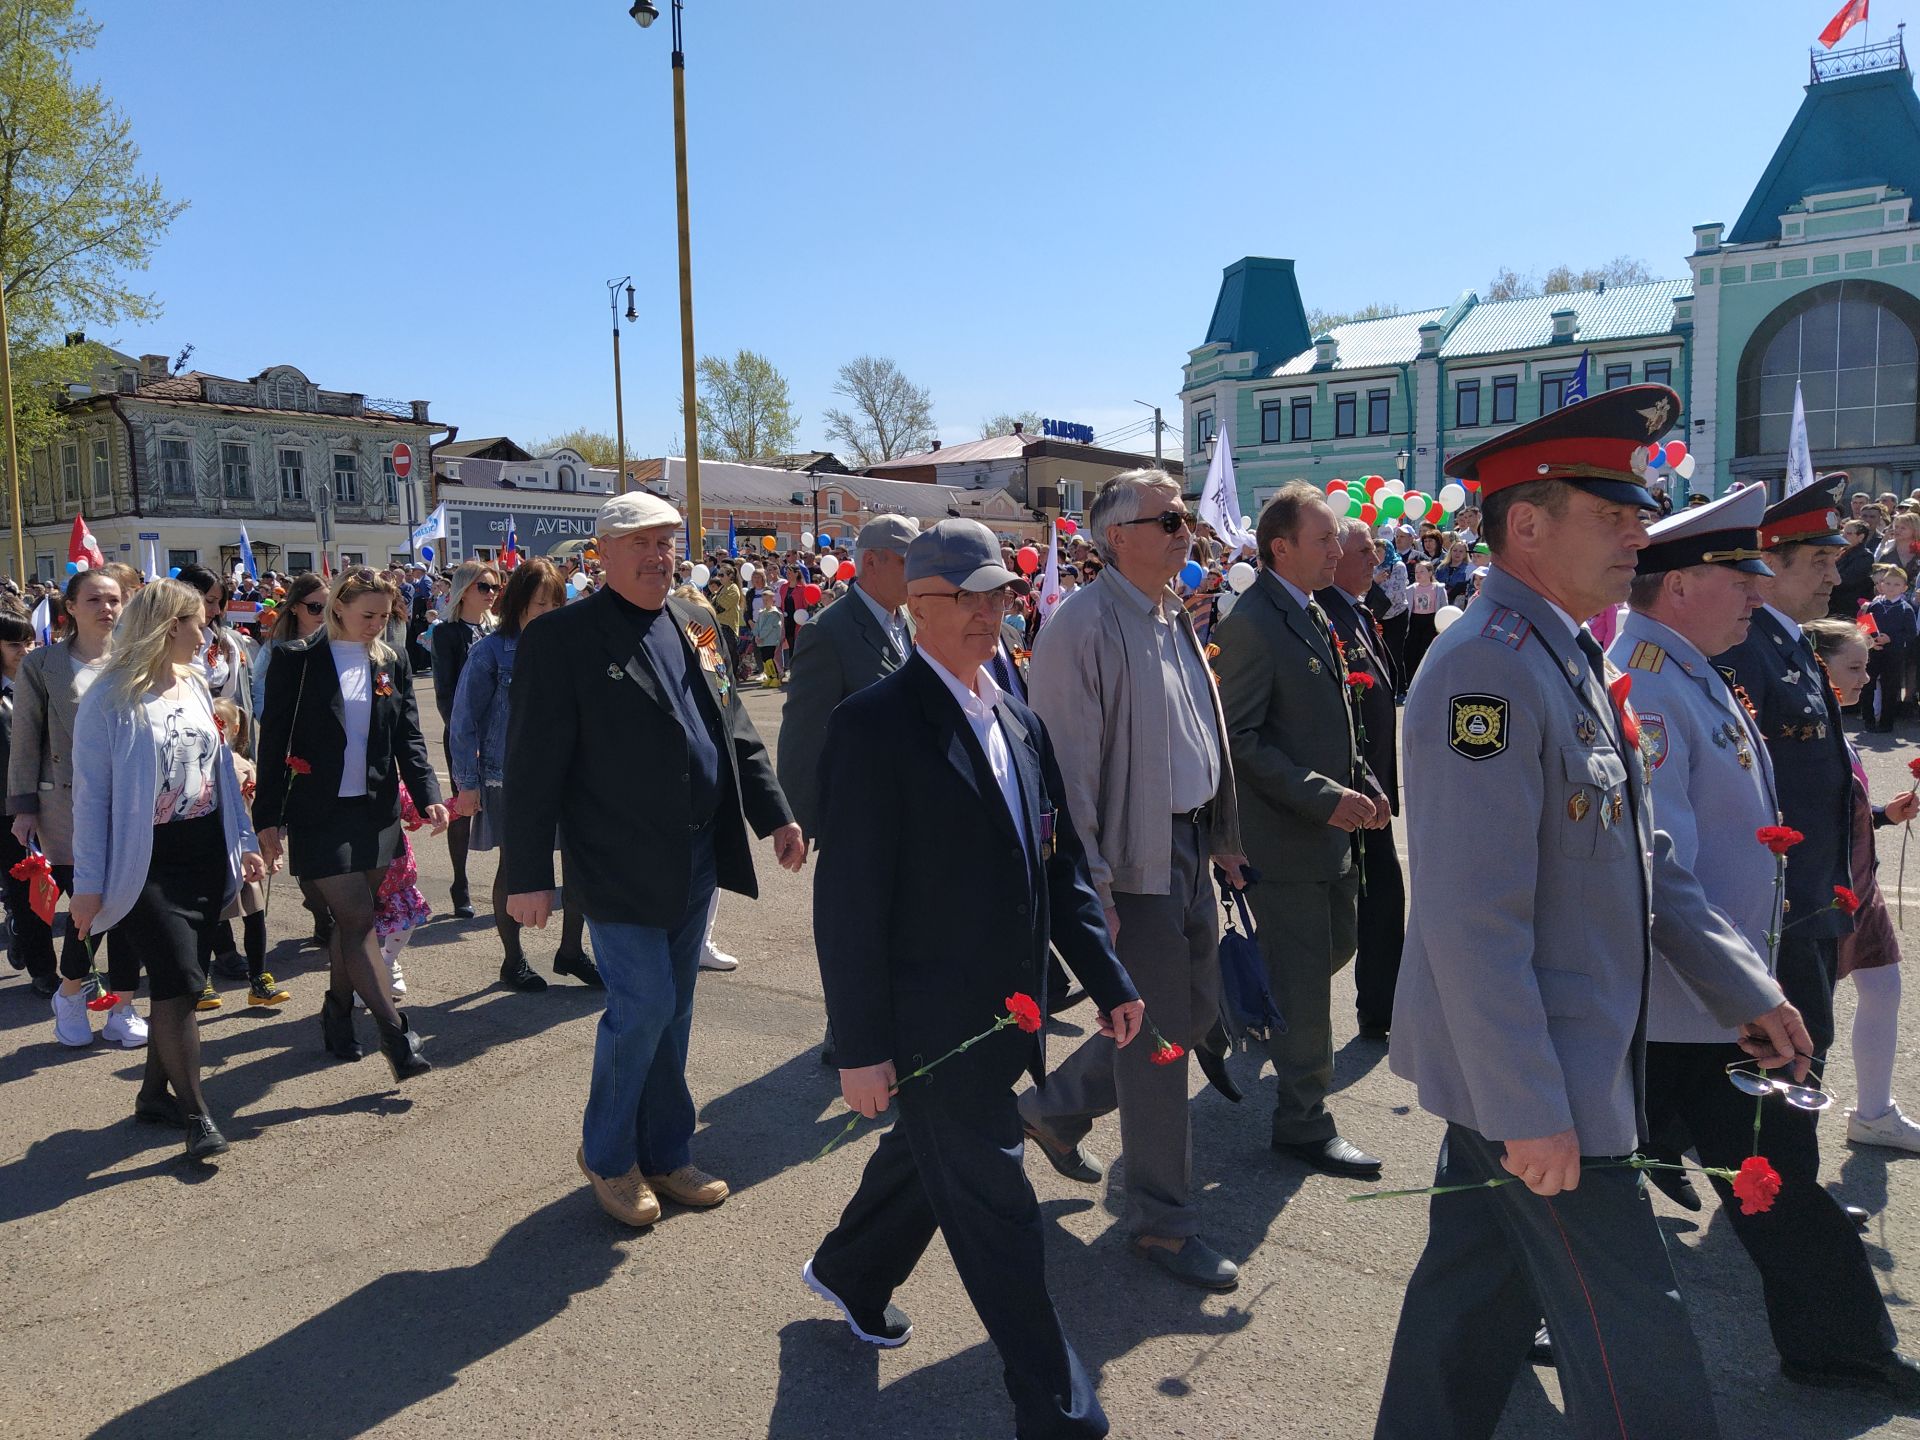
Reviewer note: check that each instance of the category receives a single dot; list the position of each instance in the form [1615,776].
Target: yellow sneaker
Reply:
[208,999]
[264,992]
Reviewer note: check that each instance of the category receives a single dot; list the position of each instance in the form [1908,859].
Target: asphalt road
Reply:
[425,1260]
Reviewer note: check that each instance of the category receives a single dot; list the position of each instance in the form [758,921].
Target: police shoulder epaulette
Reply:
[1647,656]
[1509,627]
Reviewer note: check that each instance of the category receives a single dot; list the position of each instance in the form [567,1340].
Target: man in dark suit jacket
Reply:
[626,731]
[1304,795]
[1383,891]
[844,648]
[952,867]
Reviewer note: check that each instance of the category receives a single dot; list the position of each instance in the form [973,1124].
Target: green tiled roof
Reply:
[1620,312]
[1392,340]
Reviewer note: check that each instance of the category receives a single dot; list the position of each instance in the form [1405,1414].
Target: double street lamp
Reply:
[644,13]
[619,406]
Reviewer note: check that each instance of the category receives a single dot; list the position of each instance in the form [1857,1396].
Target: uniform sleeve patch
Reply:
[1509,627]
[1653,737]
[1647,656]
[1477,725]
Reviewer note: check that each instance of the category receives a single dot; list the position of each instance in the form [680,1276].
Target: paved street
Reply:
[426,1261]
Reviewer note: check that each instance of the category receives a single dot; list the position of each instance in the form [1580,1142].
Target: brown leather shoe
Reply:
[691,1186]
[625,1197]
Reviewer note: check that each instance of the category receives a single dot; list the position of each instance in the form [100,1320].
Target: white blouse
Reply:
[354,666]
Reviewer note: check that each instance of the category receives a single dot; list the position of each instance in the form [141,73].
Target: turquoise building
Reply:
[1817,281]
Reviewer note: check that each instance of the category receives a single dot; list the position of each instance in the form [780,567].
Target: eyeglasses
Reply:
[1171,521]
[1749,1081]
[485,589]
[978,601]
[315,608]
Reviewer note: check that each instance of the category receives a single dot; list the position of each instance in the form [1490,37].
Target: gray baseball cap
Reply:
[963,552]
[887,532]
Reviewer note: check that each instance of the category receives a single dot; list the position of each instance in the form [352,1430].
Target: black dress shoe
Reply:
[1214,1067]
[204,1138]
[1541,1351]
[1371,1031]
[516,974]
[580,967]
[1894,1376]
[462,903]
[1072,1162]
[1333,1156]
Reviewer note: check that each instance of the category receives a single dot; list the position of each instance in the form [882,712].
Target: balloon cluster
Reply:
[1673,457]
[1373,498]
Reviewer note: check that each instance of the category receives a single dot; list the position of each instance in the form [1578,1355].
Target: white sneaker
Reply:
[399,986]
[70,1023]
[718,960]
[124,1027]
[1892,1130]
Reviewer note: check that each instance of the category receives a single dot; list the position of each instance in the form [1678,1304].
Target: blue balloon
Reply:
[1192,573]
[174,573]
[426,553]
[73,568]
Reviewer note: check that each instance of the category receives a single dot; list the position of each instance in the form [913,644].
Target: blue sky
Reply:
[1026,203]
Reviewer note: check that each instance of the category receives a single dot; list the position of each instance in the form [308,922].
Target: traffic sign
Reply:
[402,459]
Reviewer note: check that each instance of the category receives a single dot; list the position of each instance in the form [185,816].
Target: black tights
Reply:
[253,928]
[354,965]
[459,836]
[572,921]
[173,1053]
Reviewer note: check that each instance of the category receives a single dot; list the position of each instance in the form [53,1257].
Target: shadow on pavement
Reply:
[776,1121]
[394,1342]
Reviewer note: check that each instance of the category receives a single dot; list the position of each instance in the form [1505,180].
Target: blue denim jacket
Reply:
[477,736]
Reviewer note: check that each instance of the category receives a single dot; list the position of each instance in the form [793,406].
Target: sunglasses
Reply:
[1749,1081]
[314,607]
[485,589]
[1171,521]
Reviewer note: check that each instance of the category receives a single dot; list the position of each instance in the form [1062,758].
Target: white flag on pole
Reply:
[432,528]
[42,621]
[152,570]
[1799,457]
[1050,595]
[1220,499]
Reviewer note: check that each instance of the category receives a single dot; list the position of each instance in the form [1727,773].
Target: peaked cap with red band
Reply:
[1809,516]
[1599,444]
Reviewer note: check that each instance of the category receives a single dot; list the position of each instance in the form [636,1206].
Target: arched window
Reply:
[1851,348]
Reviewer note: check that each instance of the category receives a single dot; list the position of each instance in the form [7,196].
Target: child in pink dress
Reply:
[402,907]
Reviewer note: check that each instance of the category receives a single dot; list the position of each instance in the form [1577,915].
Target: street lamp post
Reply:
[619,405]
[644,13]
[13,454]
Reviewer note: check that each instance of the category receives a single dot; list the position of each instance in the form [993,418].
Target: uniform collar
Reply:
[1514,593]
[1682,651]
[1785,622]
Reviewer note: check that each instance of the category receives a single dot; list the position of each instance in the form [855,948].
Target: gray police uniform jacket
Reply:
[1712,788]
[1521,1008]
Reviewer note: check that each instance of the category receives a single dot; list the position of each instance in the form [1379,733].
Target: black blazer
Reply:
[841,650]
[928,911]
[452,639]
[305,718]
[595,751]
[1367,653]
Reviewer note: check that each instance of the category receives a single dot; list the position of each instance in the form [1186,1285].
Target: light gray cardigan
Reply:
[114,789]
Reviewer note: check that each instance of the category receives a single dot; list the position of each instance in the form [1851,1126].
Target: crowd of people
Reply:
[1077,785]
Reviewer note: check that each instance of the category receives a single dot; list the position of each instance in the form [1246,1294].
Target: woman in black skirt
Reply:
[340,735]
[161,841]
[471,603]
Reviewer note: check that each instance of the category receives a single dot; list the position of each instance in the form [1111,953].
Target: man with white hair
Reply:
[627,734]
[1120,679]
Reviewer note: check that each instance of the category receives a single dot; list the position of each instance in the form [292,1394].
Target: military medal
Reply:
[1578,806]
[614,672]
[382,683]
[1585,729]
[1313,664]
[1616,807]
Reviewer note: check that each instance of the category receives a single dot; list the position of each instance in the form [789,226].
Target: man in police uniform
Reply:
[1713,786]
[1800,719]
[1520,1013]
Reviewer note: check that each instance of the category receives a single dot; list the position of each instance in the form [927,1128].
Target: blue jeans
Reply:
[639,1109]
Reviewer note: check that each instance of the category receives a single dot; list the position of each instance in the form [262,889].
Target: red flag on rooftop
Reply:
[1851,14]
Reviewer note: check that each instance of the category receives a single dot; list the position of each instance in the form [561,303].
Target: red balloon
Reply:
[1374,482]
[1027,558]
[1369,514]
[1676,451]
[1471,484]
[810,593]
[1336,485]
[1066,526]
[1437,513]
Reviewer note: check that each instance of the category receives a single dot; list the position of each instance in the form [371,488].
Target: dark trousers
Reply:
[1823,1303]
[32,936]
[1383,929]
[1808,969]
[954,1161]
[1394,632]
[1307,933]
[1880,697]
[1591,1260]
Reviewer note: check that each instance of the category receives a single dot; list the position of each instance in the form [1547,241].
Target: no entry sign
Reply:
[402,459]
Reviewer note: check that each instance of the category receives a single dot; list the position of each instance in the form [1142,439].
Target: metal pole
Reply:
[1158,457]
[619,405]
[13,456]
[696,545]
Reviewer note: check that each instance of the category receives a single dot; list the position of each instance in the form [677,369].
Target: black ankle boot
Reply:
[336,1026]
[462,902]
[403,1050]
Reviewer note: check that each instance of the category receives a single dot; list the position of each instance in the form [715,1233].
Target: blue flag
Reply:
[246,555]
[733,543]
[1577,386]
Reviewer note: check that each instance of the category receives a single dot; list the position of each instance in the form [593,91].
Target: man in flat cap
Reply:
[953,863]
[1800,718]
[627,733]
[1520,1013]
[1694,595]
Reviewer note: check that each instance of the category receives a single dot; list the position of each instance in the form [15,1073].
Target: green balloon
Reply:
[1354,501]
[1392,507]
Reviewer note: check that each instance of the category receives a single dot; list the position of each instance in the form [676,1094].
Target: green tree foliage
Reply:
[744,408]
[596,447]
[1003,424]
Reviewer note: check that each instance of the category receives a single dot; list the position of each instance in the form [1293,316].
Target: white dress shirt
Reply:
[354,667]
[891,621]
[978,705]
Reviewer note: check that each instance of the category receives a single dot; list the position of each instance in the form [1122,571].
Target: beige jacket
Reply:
[1109,729]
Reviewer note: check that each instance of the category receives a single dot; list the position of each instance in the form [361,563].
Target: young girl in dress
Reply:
[1871,954]
[249,907]
[1424,599]
[402,908]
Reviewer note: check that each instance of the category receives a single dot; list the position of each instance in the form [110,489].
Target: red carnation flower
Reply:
[1913,768]
[299,766]
[1778,838]
[1844,900]
[1360,680]
[1756,1185]
[1025,1013]
[1165,1052]
[105,1000]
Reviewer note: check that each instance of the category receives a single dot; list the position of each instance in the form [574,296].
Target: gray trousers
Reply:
[1308,931]
[1170,946]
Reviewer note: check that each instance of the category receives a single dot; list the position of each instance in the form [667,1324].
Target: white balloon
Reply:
[806,539]
[799,614]
[1246,522]
[746,572]
[1445,616]
[1452,496]
[701,575]
[829,566]
[1685,468]
[1226,604]
[1394,487]
[1241,576]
